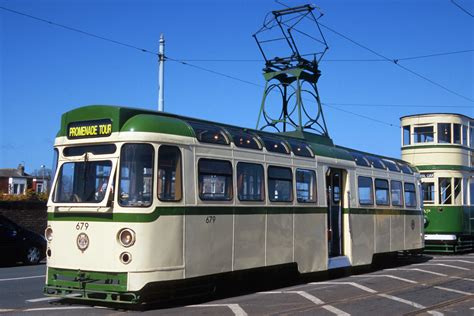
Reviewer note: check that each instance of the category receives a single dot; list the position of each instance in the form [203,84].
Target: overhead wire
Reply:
[464,10]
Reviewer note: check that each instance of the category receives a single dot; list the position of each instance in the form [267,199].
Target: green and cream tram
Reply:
[441,146]
[142,199]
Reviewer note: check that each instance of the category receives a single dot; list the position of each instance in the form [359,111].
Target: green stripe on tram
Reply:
[214,210]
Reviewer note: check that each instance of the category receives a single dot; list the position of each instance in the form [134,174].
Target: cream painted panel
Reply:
[166,247]
[249,242]
[188,180]
[224,152]
[382,233]
[311,242]
[362,239]
[279,239]
[284,160]
[208,246]
[397,232]
[254,156]
[413,232]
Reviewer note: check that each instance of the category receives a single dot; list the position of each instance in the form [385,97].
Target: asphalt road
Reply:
[430,285]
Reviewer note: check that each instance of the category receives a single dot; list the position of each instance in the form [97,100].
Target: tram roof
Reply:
[431,114]
[135,119]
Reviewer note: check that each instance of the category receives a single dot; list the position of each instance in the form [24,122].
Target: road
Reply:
[435,285]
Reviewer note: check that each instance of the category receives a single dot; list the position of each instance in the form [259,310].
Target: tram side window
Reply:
[445,190]
[471,190]
[280,184]
[423,134]
[366,195]
[428,192]
[406,135]
[397,193]
[457,191]
[444,133]
[169,174]
[136,175]
[410,195]
[381,192]
[305,186]
[250,182]
[215,180]
[457,133]
[471,137]
[464,136]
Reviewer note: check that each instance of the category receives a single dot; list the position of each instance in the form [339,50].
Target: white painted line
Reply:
[6,310]
[401,300]
[56,308]
[23,278]
[460,278]
[419,270]
[311,298]
[238,311]
[443,265]
[435,313]
[55,298]
[359,286]
[452,290]
[452,260]
[384,276]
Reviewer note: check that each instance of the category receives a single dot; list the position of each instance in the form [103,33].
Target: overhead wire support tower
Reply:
[294,77]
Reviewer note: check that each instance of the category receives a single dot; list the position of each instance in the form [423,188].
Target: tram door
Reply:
[334,198]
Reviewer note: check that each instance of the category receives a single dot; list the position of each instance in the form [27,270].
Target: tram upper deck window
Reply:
[93,149]
[360,159]
[397,193]
[406,135]
[301,149]
[169,174]
[215,180]
[423,134]
[280,184]
[405,168]
[428,192]
[391,165]
[244,139]
[136,175]
[410,194]
[82,182]
[250,182]
[445,191]
[375,162]
[457,133]
[305,186]
[366,195]
[381,192]
[208,133]
[464,136]
[471,136]
[444,133]
[275,145]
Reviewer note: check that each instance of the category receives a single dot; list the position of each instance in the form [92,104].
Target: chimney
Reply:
[21,169]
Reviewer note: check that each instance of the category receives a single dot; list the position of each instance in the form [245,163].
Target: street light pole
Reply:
[42,183]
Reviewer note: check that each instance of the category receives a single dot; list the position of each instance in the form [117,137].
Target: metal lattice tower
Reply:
[292,79]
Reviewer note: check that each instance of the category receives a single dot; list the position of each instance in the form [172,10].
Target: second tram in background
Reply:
[441,146]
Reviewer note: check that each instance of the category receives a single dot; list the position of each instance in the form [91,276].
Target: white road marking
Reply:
[238,311]
[391,297]
[23,278]
[451,260]
[452,290]
[460,278]
[443,265]
[43,299]
[6,310]
[419,270]
[313,299]
[56,308]
[384,276]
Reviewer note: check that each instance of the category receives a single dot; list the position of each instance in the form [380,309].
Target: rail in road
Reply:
[442,285]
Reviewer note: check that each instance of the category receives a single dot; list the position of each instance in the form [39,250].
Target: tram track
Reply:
[441,305]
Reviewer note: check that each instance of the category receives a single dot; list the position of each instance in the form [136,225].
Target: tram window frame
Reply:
[423,134]
[147,176]
[382,186]
[250,175]
[312,186]
[406,135]
[396,193]
[209,134]
[428,192]
[457,133]
[410,194]
[277,176]
[363,193]
[218,171]
[445,191]
[444,133]
[174,188]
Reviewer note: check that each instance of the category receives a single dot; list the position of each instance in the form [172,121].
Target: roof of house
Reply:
[13,173]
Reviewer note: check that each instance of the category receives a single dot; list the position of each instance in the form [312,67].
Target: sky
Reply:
[46,70]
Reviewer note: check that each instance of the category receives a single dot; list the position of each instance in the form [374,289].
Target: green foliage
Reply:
[30,195]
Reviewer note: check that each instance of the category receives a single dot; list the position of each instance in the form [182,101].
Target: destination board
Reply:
[89,129]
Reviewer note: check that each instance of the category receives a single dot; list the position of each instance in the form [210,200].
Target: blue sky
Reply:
[46,71]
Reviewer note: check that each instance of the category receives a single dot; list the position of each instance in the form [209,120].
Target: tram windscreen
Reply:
[82,182]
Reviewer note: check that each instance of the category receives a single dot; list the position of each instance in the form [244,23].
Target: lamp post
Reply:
[42,183]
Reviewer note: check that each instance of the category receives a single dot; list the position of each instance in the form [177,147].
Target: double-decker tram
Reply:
[441,146]
[143,199]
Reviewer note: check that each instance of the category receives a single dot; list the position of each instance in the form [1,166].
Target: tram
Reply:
[441,146]
[143,199]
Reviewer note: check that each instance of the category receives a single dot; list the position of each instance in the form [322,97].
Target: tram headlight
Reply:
[82,241]
[126,237]
[48,233]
